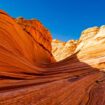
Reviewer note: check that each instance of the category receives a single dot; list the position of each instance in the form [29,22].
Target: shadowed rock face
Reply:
[29,74]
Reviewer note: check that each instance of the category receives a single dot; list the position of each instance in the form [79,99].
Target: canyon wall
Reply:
[62,50]
[29,74]
[90,46]
[23,45]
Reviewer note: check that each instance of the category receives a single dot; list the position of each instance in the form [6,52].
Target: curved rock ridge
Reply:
[29,74]
[30,47]
[40,34]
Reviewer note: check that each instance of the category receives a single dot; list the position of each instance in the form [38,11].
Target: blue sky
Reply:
[64,18]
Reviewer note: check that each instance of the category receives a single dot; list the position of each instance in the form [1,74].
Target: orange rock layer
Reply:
[29,74]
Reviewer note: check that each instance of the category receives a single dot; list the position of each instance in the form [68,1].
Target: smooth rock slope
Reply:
[29,74]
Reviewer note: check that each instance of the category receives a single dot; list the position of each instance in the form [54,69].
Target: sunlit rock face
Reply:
[62,50]
[29,74]
[90,47]
[87,38]
[41,36]
[35,29]
[28,40]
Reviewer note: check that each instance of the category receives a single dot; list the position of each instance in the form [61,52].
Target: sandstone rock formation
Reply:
[29,74]
[90,45]
[62,50]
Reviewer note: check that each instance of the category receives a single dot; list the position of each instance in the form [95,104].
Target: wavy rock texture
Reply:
[29,74]
[90,46]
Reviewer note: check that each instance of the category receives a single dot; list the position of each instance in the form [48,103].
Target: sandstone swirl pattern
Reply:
[29,74]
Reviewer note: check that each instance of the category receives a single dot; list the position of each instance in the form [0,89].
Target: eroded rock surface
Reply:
[90,46]
[62,50]
[29,74]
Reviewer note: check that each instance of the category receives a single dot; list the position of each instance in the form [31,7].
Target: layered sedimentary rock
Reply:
[90,45]
[35,29]
[34,44]
[62,50]
[29,74]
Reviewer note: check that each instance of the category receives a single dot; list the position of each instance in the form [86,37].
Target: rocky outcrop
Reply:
[35,29]
[29,40]
[29,74]
[91,47]
[62,50]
